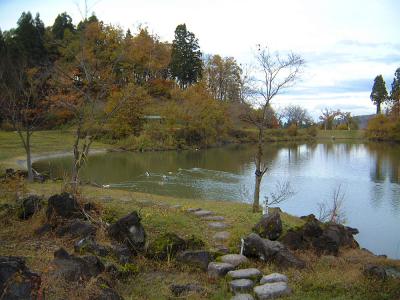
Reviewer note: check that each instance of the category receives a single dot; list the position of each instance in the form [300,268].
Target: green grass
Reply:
[326,277]
[43,142]
[341,134]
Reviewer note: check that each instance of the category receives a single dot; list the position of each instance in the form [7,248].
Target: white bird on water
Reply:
[147,174]
[106,186]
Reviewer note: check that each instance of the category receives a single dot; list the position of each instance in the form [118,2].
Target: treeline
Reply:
[47,72]
[385,126]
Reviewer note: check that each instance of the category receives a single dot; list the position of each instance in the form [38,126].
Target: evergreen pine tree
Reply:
[379,93]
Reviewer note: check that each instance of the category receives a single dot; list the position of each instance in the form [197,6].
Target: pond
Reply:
[368,176]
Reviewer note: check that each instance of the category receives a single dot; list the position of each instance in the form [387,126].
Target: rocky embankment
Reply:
[104,254]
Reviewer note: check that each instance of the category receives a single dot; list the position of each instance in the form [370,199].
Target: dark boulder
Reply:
[16,280]
[73,268]
[89,245]
[381,272]
[76,228]
[30,206]
[122,253]
[166,246]
[270,226]
[63,205]
[323,238]
[197,258]
[270,251]
[129,230]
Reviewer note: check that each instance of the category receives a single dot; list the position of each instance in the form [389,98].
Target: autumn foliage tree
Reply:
[86,78]
[24,73]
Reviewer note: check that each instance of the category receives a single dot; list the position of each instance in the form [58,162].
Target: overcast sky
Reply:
[345,43]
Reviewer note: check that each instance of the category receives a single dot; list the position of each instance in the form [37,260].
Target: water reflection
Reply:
[368,173]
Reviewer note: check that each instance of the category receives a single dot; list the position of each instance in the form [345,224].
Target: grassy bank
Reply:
[341,134]
[325,277]
[43,142]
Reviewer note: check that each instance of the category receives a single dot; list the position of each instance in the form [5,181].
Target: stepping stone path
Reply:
[272,290]
[242,281]
[216,269]
[242,297]
[217,225]
[274,277]
[214,218]
[241,285]
[234,259]
[192,210]
[221,236]
[251,273]
[202,213]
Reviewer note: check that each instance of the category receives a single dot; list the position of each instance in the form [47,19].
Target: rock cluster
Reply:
[323,238]
[271,251]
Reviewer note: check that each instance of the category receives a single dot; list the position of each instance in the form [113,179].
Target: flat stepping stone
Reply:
[176,206]
[221,236]
[214,218]
[251,273]
[192,210]
[222,249]
[272,290]
[274,277]
[234,259]
[241,285]
[218,225]
[216,269]
[242,297]
[202,213]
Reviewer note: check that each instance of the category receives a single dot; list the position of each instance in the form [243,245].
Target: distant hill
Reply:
[363,120]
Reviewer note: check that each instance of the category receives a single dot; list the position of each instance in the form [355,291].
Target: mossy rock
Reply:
[194,243]
[166,246]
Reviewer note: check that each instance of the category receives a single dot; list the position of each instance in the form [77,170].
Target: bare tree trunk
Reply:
[258,173]
[75,162]
[26,142]
[28,157]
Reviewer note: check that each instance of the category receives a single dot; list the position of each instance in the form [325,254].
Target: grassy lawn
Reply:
[325,277]
[341,134]
[43,142]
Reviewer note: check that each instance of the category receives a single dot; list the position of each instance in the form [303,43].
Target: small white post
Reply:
[242,246]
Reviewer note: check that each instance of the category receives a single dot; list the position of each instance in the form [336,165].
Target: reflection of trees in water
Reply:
[386,165]
[395,200]
[387,162]
[378,193]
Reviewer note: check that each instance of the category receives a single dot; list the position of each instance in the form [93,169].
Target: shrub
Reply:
[342,127]
[312,130]
[379,128]
[292,130]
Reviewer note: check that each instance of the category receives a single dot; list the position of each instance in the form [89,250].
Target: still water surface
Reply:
[369,175]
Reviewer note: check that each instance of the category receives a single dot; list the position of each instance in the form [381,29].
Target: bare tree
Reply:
[347,119]
[295,114]
[276,73]
[328,116]
[283,191]
[332,210]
